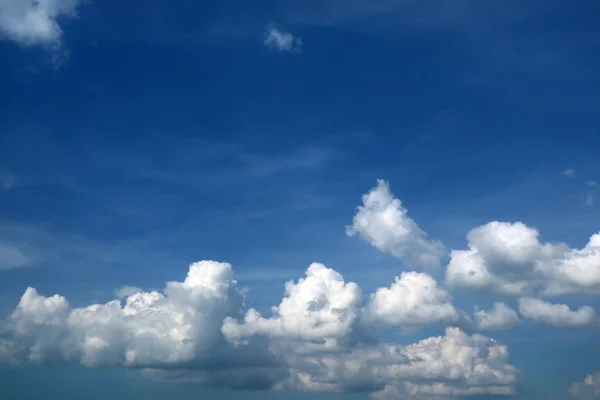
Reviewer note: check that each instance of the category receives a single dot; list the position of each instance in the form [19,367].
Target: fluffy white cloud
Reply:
[383,221]
[557,315]
[454,364]
[508,258]
[413,299]
[321,308]
[499,318]
[179,327]
[278,40]
[318,339]
[35,22]
[589,389]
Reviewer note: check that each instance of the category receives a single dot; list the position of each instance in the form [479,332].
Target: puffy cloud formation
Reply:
[589,389]
[414,299]
[508,258]
[35,22]
[319,308]
[383,221]
[454,364]
[180,327]
[557,315]
[499,318]
[280,41]
[316,340]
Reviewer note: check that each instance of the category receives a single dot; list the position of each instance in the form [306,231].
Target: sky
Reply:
[316,199]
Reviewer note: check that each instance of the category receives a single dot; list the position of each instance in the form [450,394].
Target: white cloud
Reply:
[591,183]
[589,200]
[317,339]
[413,299]
[508,258]
[383,221]
[12,257]
[35,22]
[589,389]
[569,173]
[499,318]
[557,315]
[179,327]
[278,40]
[321,308]
[453,364]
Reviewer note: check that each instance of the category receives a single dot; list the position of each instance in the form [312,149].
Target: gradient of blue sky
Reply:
[161,133]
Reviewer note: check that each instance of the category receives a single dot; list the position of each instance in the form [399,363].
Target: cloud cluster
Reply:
[589,389]
[321,337]
[280,41]
[508,259]
[324,333]
[35,22]
[383,222]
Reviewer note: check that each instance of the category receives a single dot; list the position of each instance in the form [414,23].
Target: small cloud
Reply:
[8,180]
[591,183]
[126,291]
[589,200]
[569,172]
[280,41]
[35,22]
[12,257]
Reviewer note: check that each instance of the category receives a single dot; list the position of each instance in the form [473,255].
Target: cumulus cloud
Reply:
[453,364]
[413,299]
[589,389]
[383,222]
[321,308]
[316,340]
[557,315]
[35,22]
[278,40]
[499,318]
[177,328]
[591,183]
[508,259]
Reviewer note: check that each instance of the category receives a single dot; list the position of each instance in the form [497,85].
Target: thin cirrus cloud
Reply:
[35,22]
[181,333]
[281,41]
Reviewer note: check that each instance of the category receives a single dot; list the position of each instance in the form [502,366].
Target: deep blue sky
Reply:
[171,134]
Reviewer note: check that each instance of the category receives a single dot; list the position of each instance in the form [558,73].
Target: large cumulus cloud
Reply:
[321,337]
[509,259]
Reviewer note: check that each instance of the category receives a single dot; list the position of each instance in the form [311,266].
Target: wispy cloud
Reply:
[12,257]
[569,173]
[278,40]
[8,180]
[591,183]
[589,200]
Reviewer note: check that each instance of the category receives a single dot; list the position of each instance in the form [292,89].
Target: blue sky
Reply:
[138,138]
